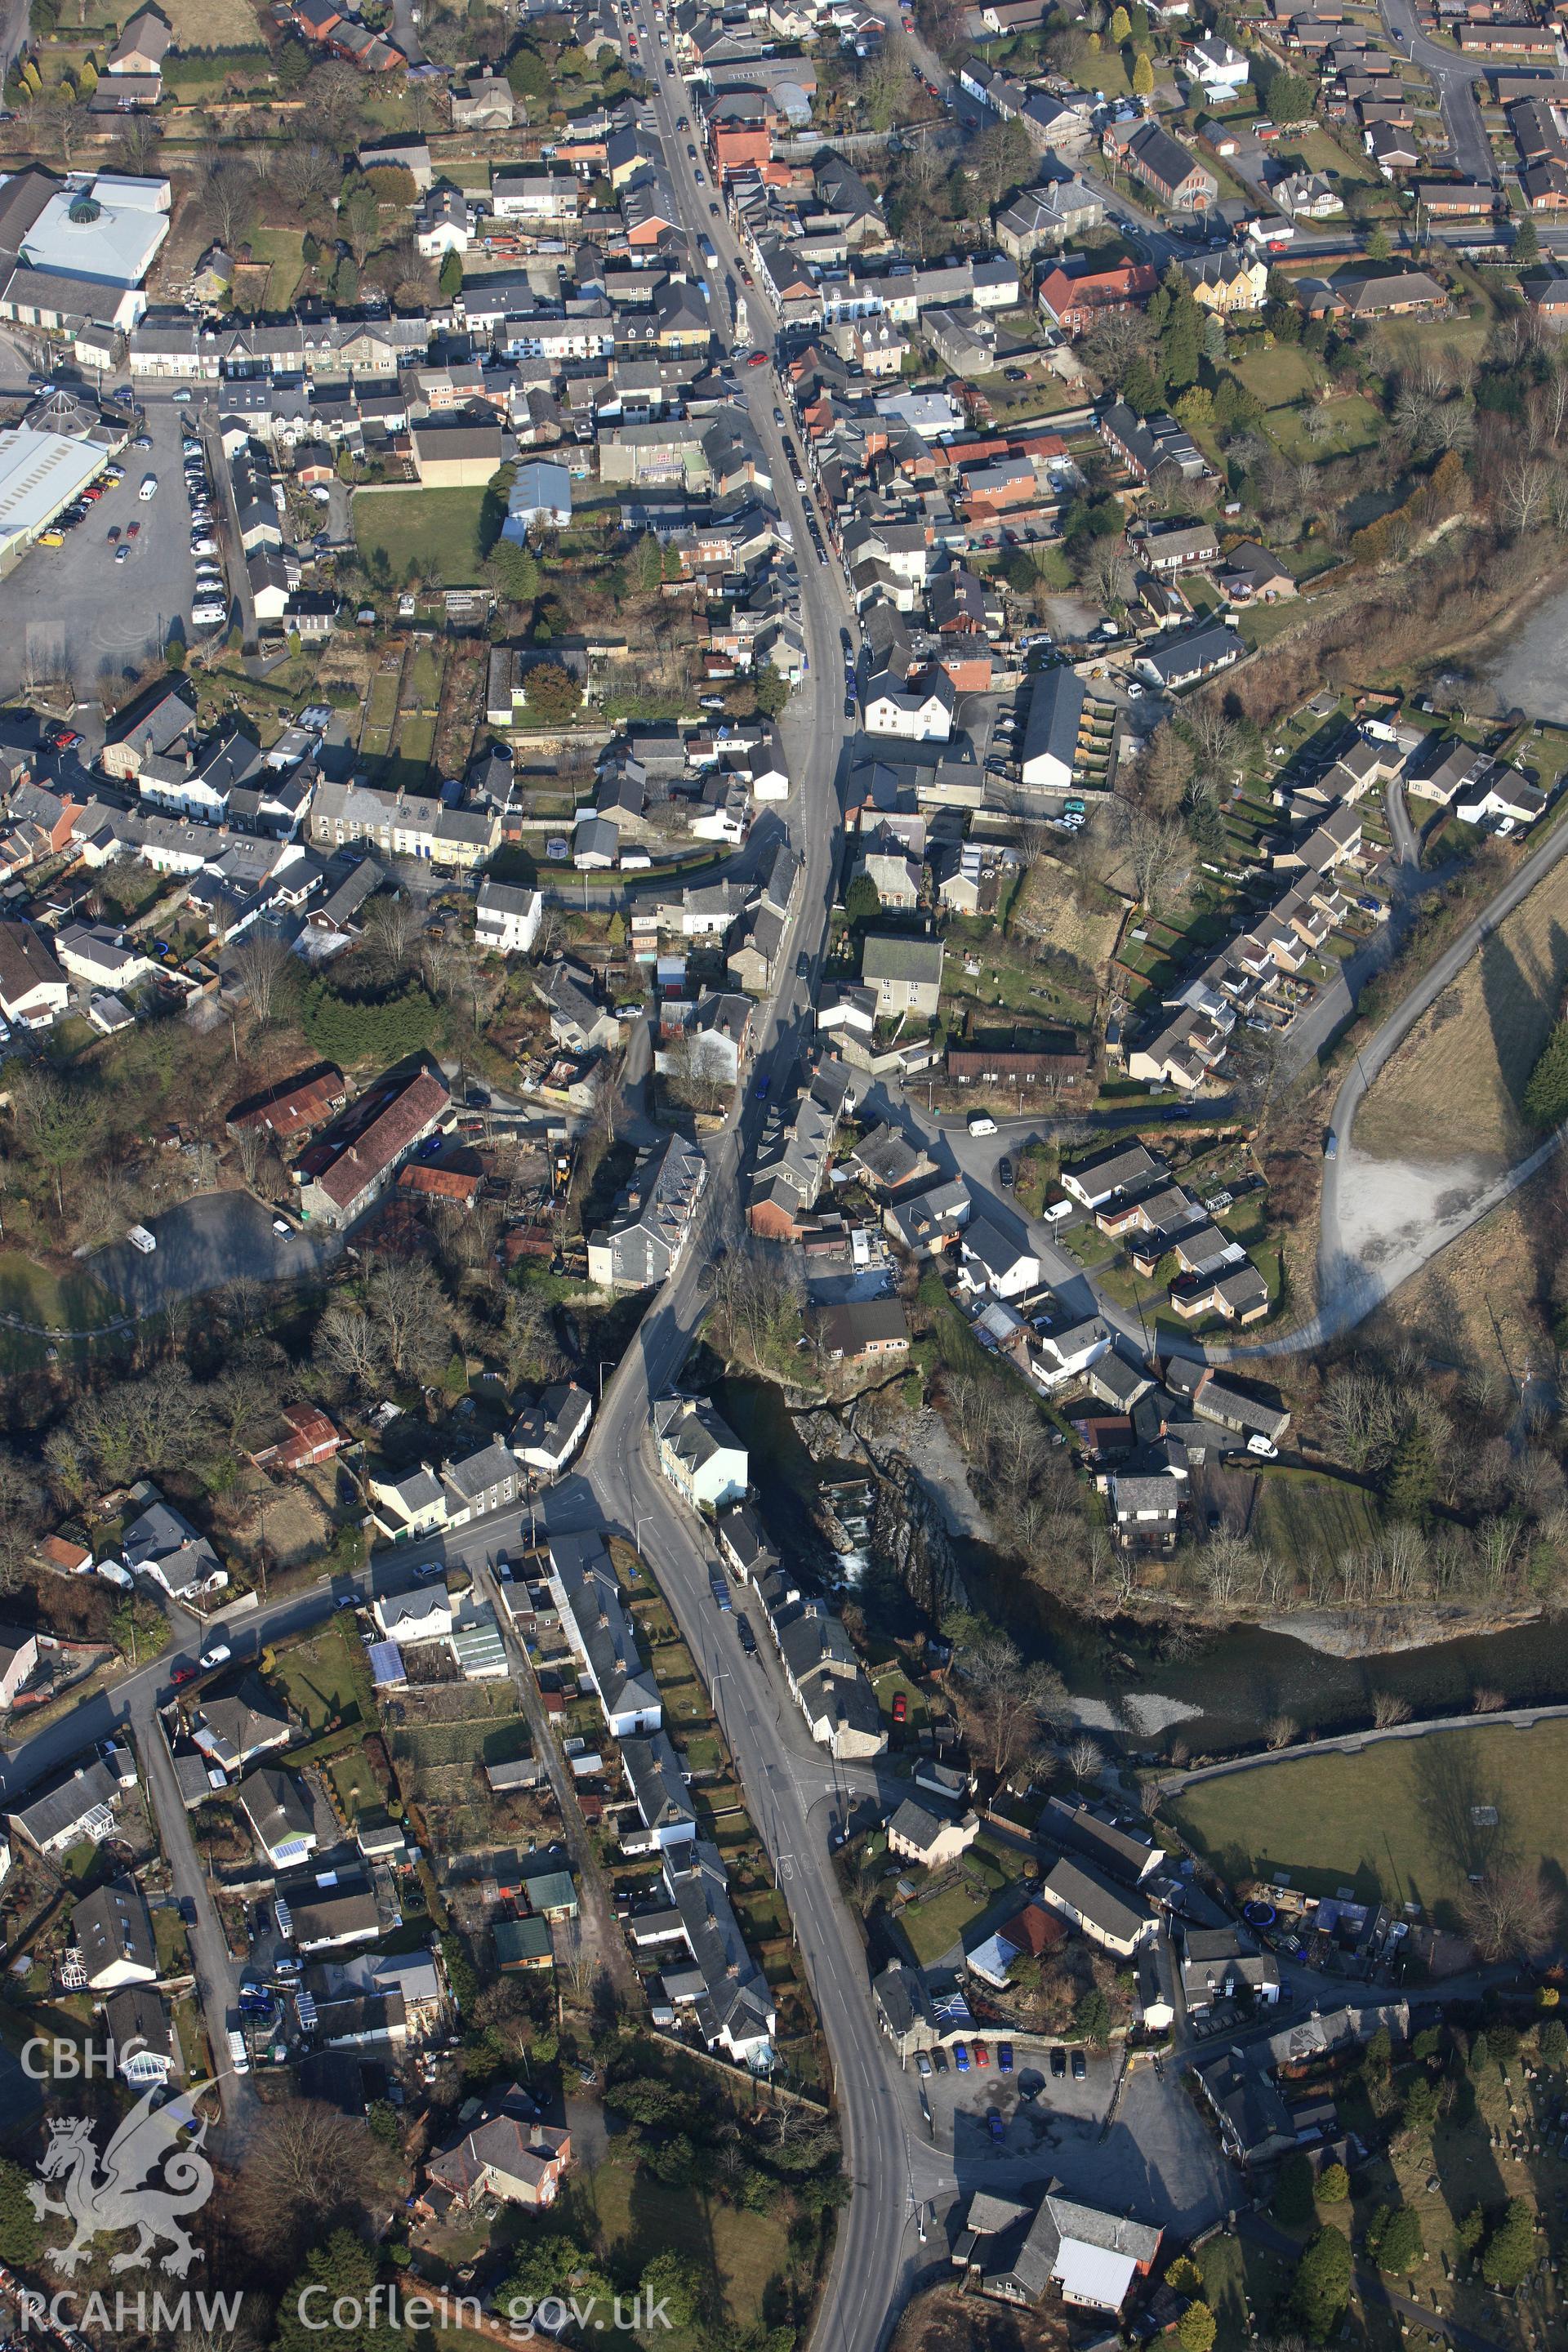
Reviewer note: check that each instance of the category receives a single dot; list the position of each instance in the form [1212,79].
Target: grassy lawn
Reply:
[1397,1821]
[1283,376]
[1477,1045]
[353,1782]
[1299,1515]
[742,2254]
[438,528]
[280,248]
[1318,150]
[314,1675]
[1354,424]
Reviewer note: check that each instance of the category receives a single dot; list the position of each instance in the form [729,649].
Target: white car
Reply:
[282,1227]
[149,488]
[180,399]
[203,546]
[320,493]
[982,1123]
[1263,1446]
[216,1653]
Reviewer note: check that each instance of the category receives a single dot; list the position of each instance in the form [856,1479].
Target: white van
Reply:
[982,1123]
[239,2056]
[139,1238]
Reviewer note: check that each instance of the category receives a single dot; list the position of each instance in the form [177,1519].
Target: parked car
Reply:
[1005,2056]
[1058,2062]
[149,488]
[216,1653]
[982,1123]
[1004,1174]
[994,2124]
[982,2055]
[960,2057]
[187,1909]
[922,2065]
[900,1706]
[186,1674]
[1079,2065]
[429,1569]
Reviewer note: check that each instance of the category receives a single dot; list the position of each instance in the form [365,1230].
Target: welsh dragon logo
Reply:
[148,2182]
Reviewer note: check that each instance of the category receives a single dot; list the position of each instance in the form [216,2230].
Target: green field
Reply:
[744,2254]
[433,529]
[1397,1822]
[314,1675]
[281,250]
[1298,1513]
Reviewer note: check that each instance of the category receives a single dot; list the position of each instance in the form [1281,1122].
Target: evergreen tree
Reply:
[1322,2283]
[1333,2185]
[1195,2328]
[1546,1091]
[1400,2243]
[1121,26]
[1526,244]
[1378,247]
[1411,1477]
[862,902]
[343,2272]
[648,564]
[19,2235]
[1289,99]
[451,277]
[1293,2192]
[1143,87]
[1512,2248]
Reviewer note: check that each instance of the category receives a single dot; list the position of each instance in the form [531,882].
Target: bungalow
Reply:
[280,1821]
[864,1331]
[142,2028]
[1104,1913]
[1177,661]
[112,1929]
[522,1945]
[81,1806]
[1114,1173]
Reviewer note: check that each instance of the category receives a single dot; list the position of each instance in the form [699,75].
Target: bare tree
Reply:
[1281,1731]
[529,1348]
[392,924]
[1510,1913]
[1526,493]
[1388,1708]
[1106,571]
[228,196]
[1084,1759]
[348,1345]
[1162,860]
[412,1314]
[303,2161]
[260,961]
[1009,1699]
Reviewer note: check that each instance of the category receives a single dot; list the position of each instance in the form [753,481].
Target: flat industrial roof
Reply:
[39,474]
[112,243]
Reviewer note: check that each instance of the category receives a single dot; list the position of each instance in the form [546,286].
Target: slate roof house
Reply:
[1091,2257]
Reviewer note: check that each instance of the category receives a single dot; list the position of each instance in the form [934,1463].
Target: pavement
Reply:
[71,612]
[214,1238]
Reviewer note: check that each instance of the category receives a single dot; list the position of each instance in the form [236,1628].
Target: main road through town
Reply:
[878,2105]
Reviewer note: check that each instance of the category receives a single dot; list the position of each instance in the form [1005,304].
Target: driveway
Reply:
[72,611]
[205,1242]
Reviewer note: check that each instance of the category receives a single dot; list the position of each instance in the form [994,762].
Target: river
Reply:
[1215,1696]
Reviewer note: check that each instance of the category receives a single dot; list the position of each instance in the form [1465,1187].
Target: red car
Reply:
[131,529]
[64,738]
[900,1706]
[982,2055]
[183,1674]
[758,359]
